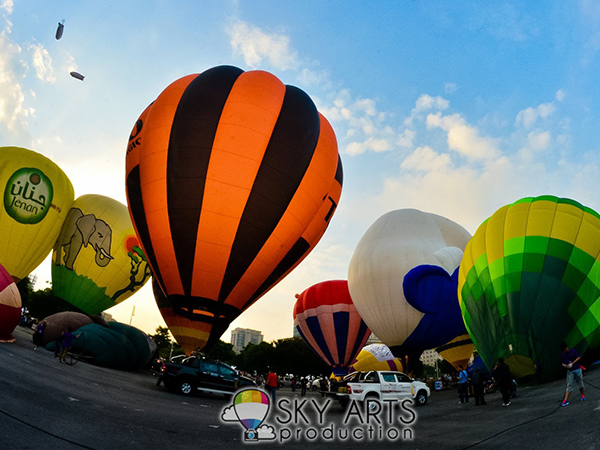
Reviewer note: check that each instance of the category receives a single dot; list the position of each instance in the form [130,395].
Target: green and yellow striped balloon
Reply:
[530,279]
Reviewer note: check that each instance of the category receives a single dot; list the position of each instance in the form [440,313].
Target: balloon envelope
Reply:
[37,196]
[10,306]
[327,320]
[232,178]
[458,351]
[403,277]
[529,280]
[97,261]
[376,357]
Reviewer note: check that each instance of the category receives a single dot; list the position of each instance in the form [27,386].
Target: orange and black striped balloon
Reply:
[232,179]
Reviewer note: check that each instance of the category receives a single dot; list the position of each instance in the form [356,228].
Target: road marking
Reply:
[214,426]
[73,399]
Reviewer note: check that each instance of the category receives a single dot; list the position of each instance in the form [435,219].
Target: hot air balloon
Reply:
[458,351]
[10,306]
[97,260]
[376,357]
[251,406]
[232,178]
[37,197]
[327,320]
[403,277]
[529,280]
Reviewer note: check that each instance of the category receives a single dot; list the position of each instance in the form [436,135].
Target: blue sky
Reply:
[454,108]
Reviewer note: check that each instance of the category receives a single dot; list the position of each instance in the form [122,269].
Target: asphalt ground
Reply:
[47,405]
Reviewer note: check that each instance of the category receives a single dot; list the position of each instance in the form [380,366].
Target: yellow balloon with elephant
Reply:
[36,197]
[97,260]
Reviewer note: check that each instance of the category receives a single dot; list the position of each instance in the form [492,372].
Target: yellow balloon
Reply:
[458,351]
[376,357]
[37,197]
[97,260]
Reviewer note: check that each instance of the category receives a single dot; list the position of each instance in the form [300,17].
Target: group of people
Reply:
[506,383]
[62,343]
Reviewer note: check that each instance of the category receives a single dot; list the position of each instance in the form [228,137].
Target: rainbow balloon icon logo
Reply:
[250,407]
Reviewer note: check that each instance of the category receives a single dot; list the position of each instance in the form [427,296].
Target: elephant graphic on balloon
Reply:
[83,230]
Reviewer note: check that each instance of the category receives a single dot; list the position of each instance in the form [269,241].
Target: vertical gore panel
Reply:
[286,160]
[136,205]
[192,134]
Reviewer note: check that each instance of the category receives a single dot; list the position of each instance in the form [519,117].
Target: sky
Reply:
[453,108]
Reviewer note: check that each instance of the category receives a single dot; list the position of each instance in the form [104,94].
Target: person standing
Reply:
[303,384]
[38,336]
[66,342]
[463,385]
[478,387]
[570,361]
[503,379]
[272,384]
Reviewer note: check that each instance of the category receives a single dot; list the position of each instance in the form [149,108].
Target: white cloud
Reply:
[463,138]
[7,5]
[560,95]
[450,88]
[255,45]
[13,112]
[42,63]
[529,116]
[427,102]
[425,159]
[539,140]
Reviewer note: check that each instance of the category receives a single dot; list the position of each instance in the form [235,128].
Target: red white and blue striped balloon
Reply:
[329,323]
[10,306]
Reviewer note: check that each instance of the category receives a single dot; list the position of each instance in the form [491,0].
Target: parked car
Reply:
[379,385]
[194,374]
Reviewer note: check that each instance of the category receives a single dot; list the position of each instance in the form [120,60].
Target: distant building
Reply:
[430,357]
[240,337]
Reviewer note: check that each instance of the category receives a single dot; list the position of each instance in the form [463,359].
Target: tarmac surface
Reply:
[47,405]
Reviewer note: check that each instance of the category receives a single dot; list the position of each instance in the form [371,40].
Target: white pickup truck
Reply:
[380,385]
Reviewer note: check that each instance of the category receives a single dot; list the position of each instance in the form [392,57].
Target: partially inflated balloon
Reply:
[36,198]
[530,278]
[327,320]
[232,178]
[376,357]
[10,306]
[403,280]
[458,351]
[97,260]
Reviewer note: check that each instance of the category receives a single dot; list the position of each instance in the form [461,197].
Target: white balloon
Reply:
[394,244]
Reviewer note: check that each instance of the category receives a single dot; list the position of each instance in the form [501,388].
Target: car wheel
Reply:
[186,387]
[421,398]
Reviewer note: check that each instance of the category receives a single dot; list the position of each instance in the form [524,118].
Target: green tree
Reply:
[294,356]
[164,343]
[43,303]
[25,287]
[223,351]
[256,357]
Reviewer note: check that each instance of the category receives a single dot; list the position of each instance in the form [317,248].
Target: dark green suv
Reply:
[203,375]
